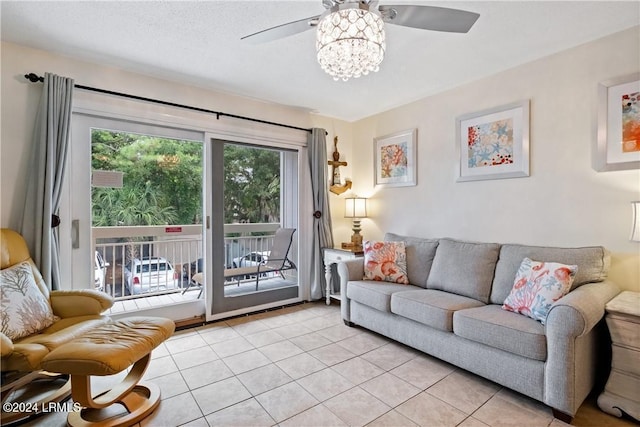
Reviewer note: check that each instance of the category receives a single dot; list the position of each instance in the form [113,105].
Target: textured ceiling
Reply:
[198,43]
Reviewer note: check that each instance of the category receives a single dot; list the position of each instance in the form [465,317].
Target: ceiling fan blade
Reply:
[283,30]
[429,17]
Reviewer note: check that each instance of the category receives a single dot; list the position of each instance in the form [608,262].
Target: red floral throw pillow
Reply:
[385,262]
[537,286]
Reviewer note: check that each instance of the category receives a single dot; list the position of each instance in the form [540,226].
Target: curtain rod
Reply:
[34,78]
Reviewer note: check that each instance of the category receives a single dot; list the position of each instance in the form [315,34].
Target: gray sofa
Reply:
[452,310]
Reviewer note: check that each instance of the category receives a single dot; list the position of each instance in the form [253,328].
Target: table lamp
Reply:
[356,208]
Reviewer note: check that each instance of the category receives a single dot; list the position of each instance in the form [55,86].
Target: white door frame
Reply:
[148,114]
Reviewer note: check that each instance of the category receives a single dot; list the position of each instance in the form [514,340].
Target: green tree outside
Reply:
[163,181]
[251,184]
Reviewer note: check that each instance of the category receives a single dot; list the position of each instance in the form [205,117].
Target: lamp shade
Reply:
[635,222]
[355,207]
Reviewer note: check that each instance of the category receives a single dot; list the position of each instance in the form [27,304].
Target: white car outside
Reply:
[100,271]
[251,259]
[151,274]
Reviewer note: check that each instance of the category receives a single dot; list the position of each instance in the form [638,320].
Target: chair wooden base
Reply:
[139,403]
[16,386]
[138,399]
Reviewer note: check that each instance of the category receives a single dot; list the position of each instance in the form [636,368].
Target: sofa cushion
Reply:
[495,327]
[430,307]
[420,254]
[593,265]
[464,268]
[375,294]
[25,309]
[385,262]
[537,286]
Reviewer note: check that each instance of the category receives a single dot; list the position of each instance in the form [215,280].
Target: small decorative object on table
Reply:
[332,256]
[621,395]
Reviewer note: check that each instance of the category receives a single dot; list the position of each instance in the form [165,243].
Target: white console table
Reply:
[333,256]
[622,392]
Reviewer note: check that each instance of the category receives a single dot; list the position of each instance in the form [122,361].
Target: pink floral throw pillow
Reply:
[385,262]
[537,286]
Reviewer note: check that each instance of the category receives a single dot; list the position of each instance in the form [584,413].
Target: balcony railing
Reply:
[122,271]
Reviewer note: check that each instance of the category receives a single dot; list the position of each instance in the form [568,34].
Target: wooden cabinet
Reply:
[622,392]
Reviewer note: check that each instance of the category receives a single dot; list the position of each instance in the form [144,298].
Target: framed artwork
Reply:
[395,159]
[618,135]
[494,143]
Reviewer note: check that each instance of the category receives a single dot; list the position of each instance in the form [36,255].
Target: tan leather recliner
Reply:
[79,312]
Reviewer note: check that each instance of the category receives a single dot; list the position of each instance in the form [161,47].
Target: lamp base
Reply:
[351,247]
[356,242]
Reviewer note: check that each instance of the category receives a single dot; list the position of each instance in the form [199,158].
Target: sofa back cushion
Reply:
[593,265]
[420,254]
[464,268]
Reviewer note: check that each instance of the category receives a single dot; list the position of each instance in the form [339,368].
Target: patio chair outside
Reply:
[277,262]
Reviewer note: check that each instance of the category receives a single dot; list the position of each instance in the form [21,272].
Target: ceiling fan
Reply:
[350,33]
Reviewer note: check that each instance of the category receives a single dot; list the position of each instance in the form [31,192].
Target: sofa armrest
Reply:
[574,341]
[351,269]
[348,270]
[81,302]
[6,345]
[580,310]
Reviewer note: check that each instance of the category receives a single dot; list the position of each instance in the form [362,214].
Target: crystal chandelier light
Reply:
[350,43]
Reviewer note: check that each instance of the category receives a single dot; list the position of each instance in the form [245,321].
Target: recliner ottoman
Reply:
[107,350]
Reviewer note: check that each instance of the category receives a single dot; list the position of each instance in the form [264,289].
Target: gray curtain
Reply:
[45,174]
[322,232]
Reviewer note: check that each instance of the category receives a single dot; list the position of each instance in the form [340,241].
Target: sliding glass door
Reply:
[136,202]
[254,221]
[162,215]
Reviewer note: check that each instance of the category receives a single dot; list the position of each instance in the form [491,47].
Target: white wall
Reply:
[564,202]
[20,98]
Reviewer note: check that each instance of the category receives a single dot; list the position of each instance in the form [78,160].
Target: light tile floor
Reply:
[300,366]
